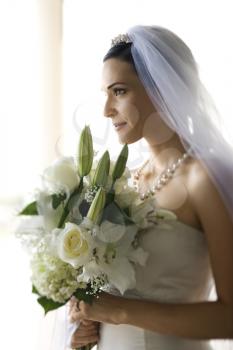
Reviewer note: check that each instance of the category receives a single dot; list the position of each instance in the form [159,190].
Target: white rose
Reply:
[61,176]
[73,244]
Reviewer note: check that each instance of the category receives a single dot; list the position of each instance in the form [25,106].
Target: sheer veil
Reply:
[169,73]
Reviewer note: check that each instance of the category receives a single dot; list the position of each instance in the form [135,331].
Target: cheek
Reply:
[129,112]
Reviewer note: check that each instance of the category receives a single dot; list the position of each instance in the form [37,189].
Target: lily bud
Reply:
[85,152]
[120,164]
[102,171]
[97,206]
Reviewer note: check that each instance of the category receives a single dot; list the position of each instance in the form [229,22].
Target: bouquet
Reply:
[82,228]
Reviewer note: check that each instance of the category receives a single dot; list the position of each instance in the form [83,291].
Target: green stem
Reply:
[66,210]
[110,196]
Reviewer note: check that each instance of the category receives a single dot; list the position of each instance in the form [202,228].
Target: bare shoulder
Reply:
[198,180]
[205,196]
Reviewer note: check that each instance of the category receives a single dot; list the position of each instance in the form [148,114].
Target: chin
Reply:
[129,139]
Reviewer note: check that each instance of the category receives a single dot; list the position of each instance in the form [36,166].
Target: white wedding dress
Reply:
[177,271]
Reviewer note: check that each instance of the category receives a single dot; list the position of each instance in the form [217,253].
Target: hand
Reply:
[106,308]
[87,332]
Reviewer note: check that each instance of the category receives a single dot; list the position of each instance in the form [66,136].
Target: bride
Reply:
[153,91]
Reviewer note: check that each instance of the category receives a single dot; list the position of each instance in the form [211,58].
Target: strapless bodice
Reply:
[177,271]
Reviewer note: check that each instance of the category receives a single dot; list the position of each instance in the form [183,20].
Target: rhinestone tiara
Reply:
[121,38]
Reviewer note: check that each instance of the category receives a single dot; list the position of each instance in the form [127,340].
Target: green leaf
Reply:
[120,164]
[113,213]
[34,290]
[48,304]
[127,219]
[30,209]
[74,195]
[126,211]
[110,197]
[57,199]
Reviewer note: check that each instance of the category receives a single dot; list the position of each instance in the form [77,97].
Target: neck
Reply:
[166,153]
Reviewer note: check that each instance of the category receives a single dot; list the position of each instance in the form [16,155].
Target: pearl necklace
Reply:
[162,179]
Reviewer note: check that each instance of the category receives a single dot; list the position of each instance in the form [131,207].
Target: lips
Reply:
[119,124]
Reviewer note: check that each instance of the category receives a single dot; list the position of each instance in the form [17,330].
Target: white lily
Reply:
[90,271]
[109,232]
[165,214]
[141,212]
[50,216]
[120,273]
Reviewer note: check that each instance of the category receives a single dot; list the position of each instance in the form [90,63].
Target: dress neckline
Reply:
[187,225]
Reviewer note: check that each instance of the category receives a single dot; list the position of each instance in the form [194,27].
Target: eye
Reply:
[119,91]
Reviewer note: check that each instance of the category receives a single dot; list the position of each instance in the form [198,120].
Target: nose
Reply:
[109,108]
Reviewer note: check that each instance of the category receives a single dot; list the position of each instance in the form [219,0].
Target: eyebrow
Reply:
[118,82]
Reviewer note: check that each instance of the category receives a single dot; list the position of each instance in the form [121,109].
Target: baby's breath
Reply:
[90,194]
[98,282]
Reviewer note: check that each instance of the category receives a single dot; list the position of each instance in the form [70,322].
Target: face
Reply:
[126,103]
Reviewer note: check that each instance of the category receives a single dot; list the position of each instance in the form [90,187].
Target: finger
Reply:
[84,341]
[84,337]
[84,332]
[86,328]
[86,322]
[73,311]
[72,306]
[79,332]
[75,316]
[73,300]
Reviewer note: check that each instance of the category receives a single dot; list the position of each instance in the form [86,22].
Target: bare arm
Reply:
[205,320]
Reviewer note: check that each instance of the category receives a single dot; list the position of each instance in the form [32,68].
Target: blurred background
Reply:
[51,55]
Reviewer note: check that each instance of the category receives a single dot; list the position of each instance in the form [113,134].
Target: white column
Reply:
[50,41]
